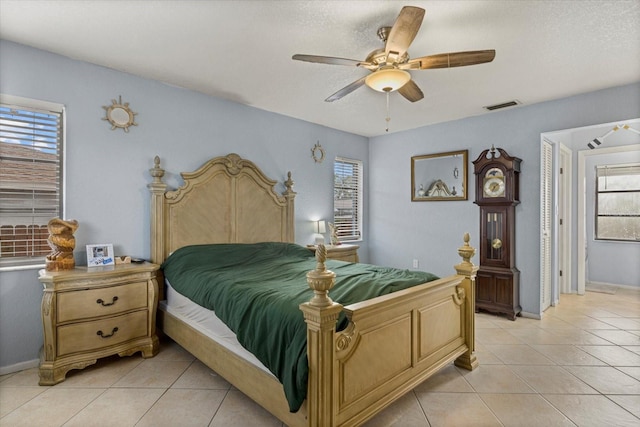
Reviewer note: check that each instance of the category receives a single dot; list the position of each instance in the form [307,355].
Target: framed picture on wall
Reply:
[439,176]
[100,255]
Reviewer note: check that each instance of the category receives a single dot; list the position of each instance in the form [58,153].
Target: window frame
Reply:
[357,228]
[37,259]
[634,169]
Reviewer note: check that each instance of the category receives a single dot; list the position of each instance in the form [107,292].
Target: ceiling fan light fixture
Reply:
[387,79]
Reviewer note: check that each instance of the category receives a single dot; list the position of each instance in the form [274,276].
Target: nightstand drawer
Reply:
[344,256]
[101,302]
[348,253]
[98,334]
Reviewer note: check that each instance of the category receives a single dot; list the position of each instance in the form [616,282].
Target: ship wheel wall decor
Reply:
[119,115]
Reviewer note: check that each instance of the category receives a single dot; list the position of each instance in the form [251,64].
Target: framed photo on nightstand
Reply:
[100,255]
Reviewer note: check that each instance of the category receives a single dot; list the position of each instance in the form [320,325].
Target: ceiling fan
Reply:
[389,66]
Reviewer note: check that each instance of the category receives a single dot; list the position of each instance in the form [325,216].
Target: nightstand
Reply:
[347,253]
[94,312]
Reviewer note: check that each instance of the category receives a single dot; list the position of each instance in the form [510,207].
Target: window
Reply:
[347,199]
[30,178]
[618,202]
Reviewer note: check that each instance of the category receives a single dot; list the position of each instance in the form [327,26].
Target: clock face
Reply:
[494,186]
[494,172]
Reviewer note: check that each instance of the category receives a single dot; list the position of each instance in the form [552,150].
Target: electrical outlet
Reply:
[415,263]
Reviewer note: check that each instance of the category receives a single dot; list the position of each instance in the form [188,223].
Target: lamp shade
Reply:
[321,227]
[387,79]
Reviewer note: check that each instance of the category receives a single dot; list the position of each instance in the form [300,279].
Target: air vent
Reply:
[502,105]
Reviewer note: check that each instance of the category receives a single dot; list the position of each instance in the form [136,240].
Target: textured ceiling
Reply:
[241,51]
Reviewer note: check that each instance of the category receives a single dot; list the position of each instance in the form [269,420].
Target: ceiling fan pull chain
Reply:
[388,118]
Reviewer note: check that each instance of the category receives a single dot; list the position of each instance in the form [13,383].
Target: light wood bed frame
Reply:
[392,343]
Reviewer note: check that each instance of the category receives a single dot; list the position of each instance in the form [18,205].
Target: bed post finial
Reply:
[321,258]
[466,251]
[466,267]
[156,171]
[321,280]
[289,183]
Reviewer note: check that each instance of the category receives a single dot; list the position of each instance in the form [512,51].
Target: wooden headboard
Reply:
[227,200]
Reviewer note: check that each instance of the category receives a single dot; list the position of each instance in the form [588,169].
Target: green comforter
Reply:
[256,290]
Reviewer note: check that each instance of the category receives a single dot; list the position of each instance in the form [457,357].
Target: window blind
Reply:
[30,181]
[618,202]
[347,199]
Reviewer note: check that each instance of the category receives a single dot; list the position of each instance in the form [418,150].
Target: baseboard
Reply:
[4,370]
[637,288]
[530,315]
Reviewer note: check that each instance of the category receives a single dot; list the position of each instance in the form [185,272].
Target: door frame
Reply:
[564,213]
[560,188]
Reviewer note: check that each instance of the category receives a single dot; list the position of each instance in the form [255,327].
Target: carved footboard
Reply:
[392,343]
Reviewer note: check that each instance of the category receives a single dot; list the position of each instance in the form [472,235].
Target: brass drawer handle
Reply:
[101,334]
[107,304]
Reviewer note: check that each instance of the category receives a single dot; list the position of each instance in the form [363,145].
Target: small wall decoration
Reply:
[317,152]
[100,255]
[62,243]
[119,115]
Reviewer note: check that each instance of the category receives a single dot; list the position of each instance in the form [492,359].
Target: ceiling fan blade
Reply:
[327,60]
[346,90]
[411,91]
[454,59]
[403,32]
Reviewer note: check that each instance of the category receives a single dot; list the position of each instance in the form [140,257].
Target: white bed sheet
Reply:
[206,322]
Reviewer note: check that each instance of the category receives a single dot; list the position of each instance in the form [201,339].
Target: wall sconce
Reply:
[320,227]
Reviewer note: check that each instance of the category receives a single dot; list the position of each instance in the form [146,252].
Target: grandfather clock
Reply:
[498,279]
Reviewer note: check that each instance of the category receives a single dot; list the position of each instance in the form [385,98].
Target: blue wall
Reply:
[609,261]
[430,232]
[185,128]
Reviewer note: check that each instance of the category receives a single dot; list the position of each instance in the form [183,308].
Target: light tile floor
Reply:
[579,365]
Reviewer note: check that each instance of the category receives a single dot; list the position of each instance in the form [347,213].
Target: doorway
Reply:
[562,201]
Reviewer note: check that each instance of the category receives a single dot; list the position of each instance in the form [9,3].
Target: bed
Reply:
[388,345]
